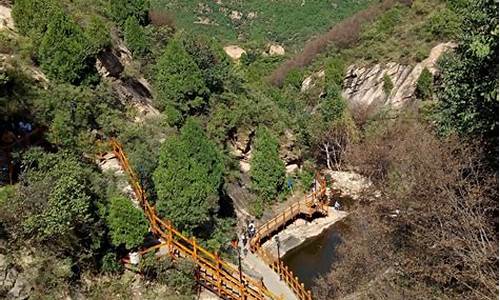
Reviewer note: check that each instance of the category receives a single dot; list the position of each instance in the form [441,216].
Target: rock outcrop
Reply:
[312,80]
[289,152]
[364,86]
[6,20]
[13,284]
[131,90]
[235,52]
[240,146]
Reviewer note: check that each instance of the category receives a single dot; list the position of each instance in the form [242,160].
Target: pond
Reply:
[316,256]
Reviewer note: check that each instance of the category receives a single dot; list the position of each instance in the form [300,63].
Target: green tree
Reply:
[97,35]
[213,63]
[188,178]
[424,85]
[179,81]
[56,206]
[388,84]
[120,10]
[70,113]
[33,16]
[331,129]
[268,170]
[136,37]
[127,223]
[468,92]
[63,51]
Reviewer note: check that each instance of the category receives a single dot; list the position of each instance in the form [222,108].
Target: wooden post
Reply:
[195,257]
[170,238]
[219,277]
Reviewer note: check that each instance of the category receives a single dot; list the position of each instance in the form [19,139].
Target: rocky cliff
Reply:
[364,86]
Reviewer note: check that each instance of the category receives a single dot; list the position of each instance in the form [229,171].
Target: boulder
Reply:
[235,15]
[244,166]
[133,91]
[251,15]
[350,184]
[6,20]
[290,169]
[276,50]
[235,52]
[312,81]
[108,64]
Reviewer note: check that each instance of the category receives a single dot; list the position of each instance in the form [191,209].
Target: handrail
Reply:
[311,204]
[214,273]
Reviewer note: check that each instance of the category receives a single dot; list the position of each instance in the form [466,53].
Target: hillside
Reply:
[258,22]
[399,95]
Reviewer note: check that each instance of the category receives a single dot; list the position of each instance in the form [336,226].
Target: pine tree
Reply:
[179,81]
[63,50]
[188,178]
[136,37]
[267,169]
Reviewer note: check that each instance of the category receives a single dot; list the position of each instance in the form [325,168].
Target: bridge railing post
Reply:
[195,254]
[170,239]
[218,270]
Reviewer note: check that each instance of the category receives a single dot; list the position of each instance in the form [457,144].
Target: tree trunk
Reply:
[328,159]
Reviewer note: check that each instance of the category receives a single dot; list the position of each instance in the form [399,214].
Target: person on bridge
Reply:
[337,205]
[251,230]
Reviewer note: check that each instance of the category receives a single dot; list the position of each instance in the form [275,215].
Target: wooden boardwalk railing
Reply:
[311,204]
[212,272]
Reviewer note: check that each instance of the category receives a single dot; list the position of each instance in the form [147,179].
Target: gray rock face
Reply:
[289,152]
[364,86]
[21,290]
[134,91]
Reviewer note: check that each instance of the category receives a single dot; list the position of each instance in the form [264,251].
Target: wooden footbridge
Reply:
[313,204]
[214,273]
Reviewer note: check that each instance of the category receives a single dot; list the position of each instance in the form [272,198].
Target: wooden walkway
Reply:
[313,204]
[212,272]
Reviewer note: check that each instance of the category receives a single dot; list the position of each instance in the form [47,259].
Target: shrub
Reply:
[32,17]
[97,35]
[257,208]
[127,224]
[443,23]
[424,85]
[111,264]
[136,37]
[335,71]
[120,10]
[161,18]
[294,79]
[388,85]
